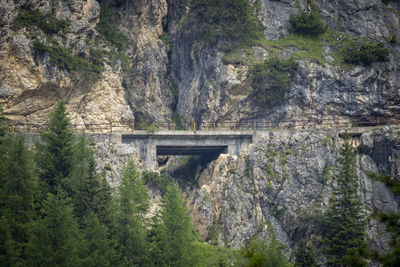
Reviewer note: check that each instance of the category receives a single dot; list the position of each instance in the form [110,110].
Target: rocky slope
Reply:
[201,82]
[280,188]
[284,184]
[162,69]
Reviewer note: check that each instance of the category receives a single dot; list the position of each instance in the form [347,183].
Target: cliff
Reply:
[139,62]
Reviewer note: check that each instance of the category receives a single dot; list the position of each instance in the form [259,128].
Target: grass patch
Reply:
[209,255]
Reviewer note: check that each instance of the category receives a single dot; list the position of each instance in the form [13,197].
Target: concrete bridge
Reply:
[205,143]
[169,143]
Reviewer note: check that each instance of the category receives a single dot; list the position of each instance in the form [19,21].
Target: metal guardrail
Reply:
[219,125]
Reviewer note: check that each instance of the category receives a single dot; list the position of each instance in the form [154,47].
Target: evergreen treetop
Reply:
[54,153]
[345,222]
[18,184]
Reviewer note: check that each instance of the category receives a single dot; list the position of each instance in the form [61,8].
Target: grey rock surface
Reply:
[283,185]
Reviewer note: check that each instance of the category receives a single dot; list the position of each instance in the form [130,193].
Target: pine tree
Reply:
[54,153]
[97,250]
[344,223]
[90,192]
[129,231]
[56,240]
[91,199]
[172,235]
[18,186]
[305,255]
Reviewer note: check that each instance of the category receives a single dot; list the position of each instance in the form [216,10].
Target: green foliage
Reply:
[307,23]
[56,238]
[90,193]
[259,253]
[18,185]
[129,231]
[47,22]
[158,180]
[392,38]
[108,28]
[364,53]
[231,23]
[305,255]
[172,235]
[166,38]
[343,234]
[392,221]
[54,153]
[271,80]
[97,250]
[178,120]
[208,255]
[391,182]
[3,125]
[65,59]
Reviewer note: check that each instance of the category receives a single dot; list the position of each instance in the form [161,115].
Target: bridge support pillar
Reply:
[148,153]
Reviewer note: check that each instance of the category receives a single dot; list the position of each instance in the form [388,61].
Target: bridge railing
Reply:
[111,126]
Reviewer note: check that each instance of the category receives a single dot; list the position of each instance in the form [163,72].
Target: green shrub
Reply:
[271,79]
[307,23]
[108,28]
[365,53]
[158,180]
[178,120]
[65,59]
[229,22]
[47,22]
[259,253]
[166,38]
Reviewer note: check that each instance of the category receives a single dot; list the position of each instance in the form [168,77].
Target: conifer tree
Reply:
[90,192]
[97,250]
[54,153]
[305,255]
[129,231]
[172,234]
[344,224]
[17,189]
[56,240]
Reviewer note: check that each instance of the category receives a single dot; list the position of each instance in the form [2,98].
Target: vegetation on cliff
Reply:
[55,210]
[229,23]
[344,234]
[271,80]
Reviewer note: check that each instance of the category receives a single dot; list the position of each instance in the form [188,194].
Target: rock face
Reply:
[210,90]
[283,185]
[190,77]
[31,83]
[284,182]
